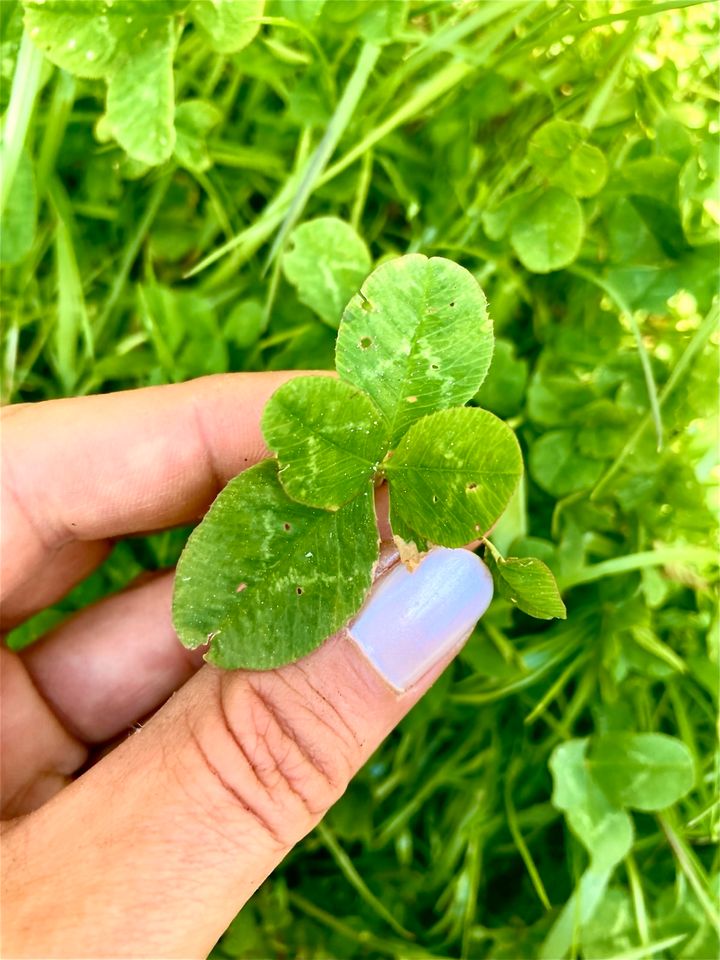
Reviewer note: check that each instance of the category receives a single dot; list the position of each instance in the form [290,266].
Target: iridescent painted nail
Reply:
[410,621]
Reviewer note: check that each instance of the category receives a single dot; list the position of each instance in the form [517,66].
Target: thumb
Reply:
[155,849]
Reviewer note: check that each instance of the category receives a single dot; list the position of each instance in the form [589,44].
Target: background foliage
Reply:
[556,793]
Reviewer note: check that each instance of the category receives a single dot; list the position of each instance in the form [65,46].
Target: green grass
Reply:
[414,130]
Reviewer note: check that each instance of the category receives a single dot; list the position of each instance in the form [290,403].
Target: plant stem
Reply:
[701,337]
[639,907]
[362,189]
[686,553]
[519,840]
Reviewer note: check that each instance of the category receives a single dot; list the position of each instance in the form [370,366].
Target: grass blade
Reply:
[335,129]
[15,122]
[624,308]
[356,881]
[701,337]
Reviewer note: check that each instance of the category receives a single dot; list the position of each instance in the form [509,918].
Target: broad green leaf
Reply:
[132,44]
[326,262]
[84,37]
[559,152]
[646,771]
[92,38]
[19,218]
[194,119]
[528,584]
[416,339]
[603,828]
[453,474]
[141,96]
[328,437]
[557,465]
[228,25]
[546,235]
[265,579]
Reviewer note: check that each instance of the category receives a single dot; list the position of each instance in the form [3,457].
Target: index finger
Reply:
[90,468]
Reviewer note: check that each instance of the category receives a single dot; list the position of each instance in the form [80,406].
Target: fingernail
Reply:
[410,621]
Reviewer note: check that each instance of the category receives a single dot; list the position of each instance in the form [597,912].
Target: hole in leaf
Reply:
[452,303]
[471,487]
[365,342]
[286,526]
[241,587]
[366,305]
[299,591]
[434,366]
[435,498]
[411,399]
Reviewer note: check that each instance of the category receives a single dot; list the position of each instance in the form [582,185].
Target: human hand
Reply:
[153,849]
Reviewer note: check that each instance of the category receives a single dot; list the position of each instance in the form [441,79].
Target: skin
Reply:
[145,795]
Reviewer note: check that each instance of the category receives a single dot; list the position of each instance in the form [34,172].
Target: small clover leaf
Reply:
[132,45]
[645,771]
[453,474]
[559,152]
[266,579]
[329,439]
[596,779]
[527,583]
[547,234]
[604,828]
[417,338]
[194,119]
[326,262]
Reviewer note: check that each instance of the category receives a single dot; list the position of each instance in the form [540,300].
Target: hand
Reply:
[153,849]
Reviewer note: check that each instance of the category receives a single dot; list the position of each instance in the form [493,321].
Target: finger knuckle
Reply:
[280,751]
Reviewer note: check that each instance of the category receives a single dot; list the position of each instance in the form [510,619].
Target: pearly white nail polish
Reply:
[412,620]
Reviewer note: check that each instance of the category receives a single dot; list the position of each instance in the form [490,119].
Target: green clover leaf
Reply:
[453,474]
[527,583]
[559,152]
[329,439]
[326,262]
[266,579]
[417,338]
[286,553]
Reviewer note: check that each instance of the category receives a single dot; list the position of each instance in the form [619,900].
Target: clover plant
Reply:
[285,555]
